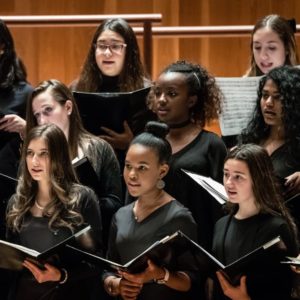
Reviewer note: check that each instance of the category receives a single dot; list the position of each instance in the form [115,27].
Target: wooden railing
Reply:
[201,31]
[91,20]
[147,30]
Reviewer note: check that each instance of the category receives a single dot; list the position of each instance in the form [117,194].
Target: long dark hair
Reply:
[265,187]
[12,69]
[287,80]
[132,75]
[64,190]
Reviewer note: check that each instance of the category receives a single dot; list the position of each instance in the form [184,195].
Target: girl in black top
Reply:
[257,215]
[48,207]
[151,217]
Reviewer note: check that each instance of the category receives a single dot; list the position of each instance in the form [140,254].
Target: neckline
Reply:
[190,145]
[151,214]
[180,125]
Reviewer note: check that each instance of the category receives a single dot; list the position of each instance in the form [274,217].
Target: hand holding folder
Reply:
[179,245]
[12,255]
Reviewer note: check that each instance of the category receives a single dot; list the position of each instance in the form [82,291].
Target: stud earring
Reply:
[160,184]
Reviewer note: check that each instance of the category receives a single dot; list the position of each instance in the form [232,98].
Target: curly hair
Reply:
[203,85]
[132,74]
[287,80]
[285,30]
[12,69]
[267,195]
[64,190]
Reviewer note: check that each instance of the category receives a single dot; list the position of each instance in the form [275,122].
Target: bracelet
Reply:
[165,279]
[111,288]
[64,276]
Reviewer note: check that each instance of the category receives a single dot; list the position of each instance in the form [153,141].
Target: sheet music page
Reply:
[240,95]
[215,188]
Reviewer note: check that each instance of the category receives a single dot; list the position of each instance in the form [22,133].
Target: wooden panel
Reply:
[60,52]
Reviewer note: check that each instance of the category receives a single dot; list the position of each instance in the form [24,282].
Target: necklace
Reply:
[141,213]
[38,206]
[180,125]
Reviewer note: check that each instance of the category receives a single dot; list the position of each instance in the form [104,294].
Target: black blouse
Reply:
[36,234]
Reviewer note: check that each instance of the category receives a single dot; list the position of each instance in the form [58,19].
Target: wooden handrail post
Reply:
[148,47]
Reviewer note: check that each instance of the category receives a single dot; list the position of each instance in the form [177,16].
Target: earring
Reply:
[160,184]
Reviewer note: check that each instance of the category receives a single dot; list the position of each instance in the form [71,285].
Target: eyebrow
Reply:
[267,91]
[39,149]
[109,40]
[236,172]
[140,162]
[269,42]
[42,106]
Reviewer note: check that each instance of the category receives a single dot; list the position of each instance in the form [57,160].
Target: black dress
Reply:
[285,164]
[128,238]
[234,238]
[204,155]
[36,235]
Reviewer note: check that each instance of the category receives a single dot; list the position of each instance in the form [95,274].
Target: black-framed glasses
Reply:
[116,48]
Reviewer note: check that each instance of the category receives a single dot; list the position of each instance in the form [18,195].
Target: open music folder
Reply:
[12,255]
[215,188]
[178,244]
[109,109]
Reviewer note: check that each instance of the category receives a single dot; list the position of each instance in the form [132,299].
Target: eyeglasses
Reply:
[114,48]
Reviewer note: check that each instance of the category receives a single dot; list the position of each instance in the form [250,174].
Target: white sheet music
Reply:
[240,95]
[215,188]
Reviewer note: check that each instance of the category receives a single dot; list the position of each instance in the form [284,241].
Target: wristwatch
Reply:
[165,279]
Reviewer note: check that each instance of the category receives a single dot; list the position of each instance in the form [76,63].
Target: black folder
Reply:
[161,252]
[109,109]
[86,173]
[12,255]
[178,245]
[213,187]
[8,185]
[206,262]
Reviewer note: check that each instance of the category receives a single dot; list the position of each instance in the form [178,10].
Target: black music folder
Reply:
[233,271]
[12,255]
[109,109]
[8,185]
[86,173]
[213,187]
[161,252]
[178,245]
